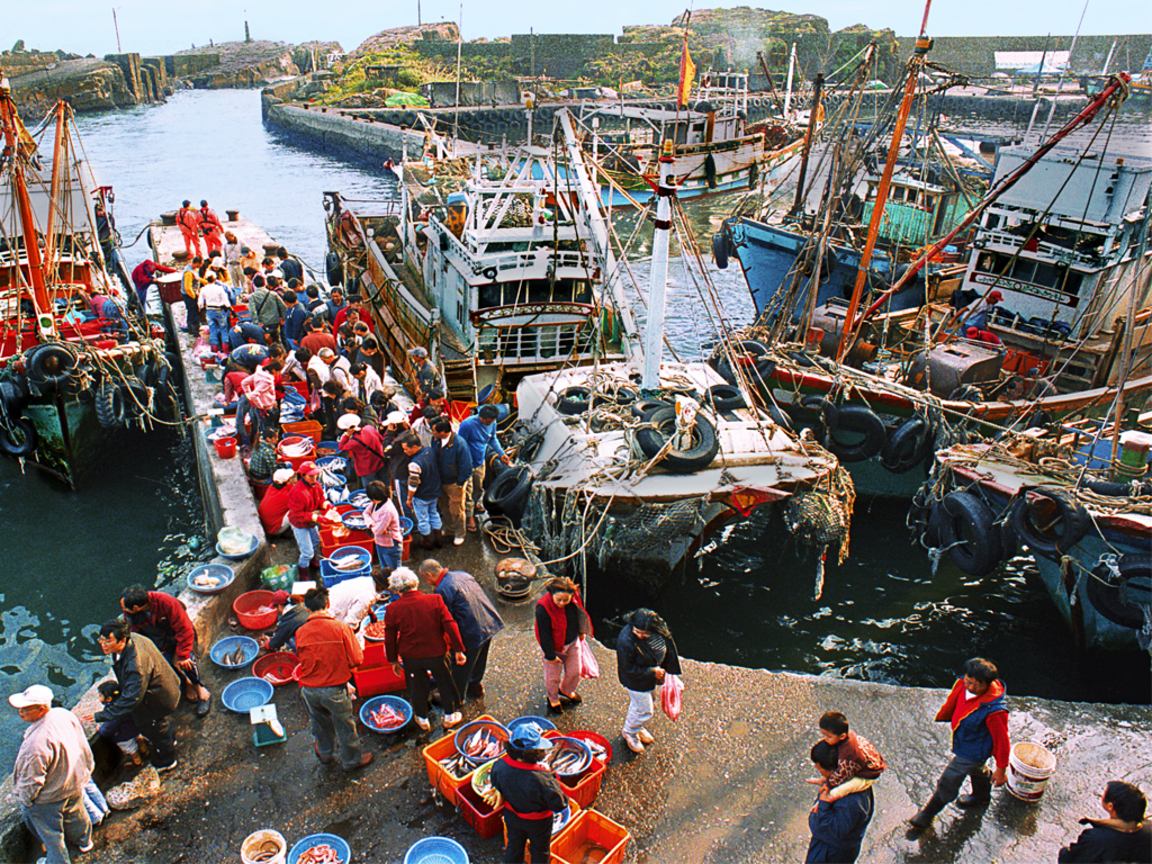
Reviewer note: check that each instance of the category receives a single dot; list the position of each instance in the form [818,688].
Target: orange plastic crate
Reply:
[376,680]
[585,789]
[590,828]
[307,428]
[437,775]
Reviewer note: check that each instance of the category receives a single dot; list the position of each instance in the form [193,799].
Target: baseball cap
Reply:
[418,352]
[348,421]
[308,468]
[279,598]
[527,736]
[995,295]
[37,694]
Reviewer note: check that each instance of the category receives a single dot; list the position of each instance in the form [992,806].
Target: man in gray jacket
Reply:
[476,617]
[52,768]
[149,688]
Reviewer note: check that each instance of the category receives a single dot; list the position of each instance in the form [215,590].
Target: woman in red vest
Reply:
[561,621]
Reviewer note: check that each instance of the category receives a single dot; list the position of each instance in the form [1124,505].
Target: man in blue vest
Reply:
[423,489]
[979,719]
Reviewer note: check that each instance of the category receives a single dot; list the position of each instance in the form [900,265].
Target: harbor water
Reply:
[137,517]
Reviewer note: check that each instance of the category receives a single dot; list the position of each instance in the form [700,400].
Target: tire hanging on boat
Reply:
[966,528]
[720,250]
[19,439]
[1055,538]
[50,366]
[508,494]
[710,170]
[1121,595]
[334,268]
[110,408]
[574,400]
[857,419]
[725,397]
[908,446]
[645,408]
[705,442]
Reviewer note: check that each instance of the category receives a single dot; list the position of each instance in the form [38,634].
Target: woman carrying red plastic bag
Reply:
[645,656]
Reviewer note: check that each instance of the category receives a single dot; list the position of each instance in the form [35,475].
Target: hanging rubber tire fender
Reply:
[1073,521]
[1121,597]
[859,419]
[967,525]
[725,397]
[720,250]
[334,268]
[508,493]
[110,408]
[50,366]
[908,446]
[645,408]
[574,400]
[19,441]
[14,395]
[705,442]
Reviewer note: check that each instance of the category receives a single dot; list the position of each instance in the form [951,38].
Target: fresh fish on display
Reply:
[205,581]
[322,854]
[483,745]
[235,657]
[386,717]
[566,760]
[296,449]
[263,610]
[458,766]
[348,562]
[598,752]
[327,478]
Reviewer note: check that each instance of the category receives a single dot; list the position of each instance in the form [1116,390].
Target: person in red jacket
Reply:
[306,501]
[211,227]
[142,277]
[189,224]
[561,620]
[163,619]
[417,629]
[363,444]
[273,509]
[975,708]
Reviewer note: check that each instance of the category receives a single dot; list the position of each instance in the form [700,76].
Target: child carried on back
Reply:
[859,764]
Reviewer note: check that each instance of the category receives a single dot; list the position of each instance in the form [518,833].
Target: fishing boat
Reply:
[631,464]
[492,262]
[78,362]
[1063,240]
[1084,517]
[716,149]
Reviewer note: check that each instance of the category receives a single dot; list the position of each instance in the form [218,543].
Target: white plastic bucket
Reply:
[1029,767]
[261,841]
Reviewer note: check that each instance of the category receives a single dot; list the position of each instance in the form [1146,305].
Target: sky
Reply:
[86,26]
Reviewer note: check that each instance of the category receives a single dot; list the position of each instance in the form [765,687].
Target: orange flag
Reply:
[687,74]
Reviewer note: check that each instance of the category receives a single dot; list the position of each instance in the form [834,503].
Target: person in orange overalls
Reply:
[189,224]
[211,228]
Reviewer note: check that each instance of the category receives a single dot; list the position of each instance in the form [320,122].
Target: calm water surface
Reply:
[137,517]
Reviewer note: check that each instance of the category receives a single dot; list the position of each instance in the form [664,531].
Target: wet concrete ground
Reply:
[725,783]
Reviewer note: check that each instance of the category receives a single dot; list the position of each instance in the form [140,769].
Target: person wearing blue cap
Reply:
[531,795]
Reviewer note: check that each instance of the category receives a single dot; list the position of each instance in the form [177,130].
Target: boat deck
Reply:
[167,239]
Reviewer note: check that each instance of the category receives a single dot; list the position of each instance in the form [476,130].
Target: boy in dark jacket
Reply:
[1123,836]
[837,825]
[859,764]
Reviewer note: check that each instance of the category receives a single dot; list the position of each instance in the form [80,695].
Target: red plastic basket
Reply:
[245,607]
[477,813]
[280,665]
[587,787]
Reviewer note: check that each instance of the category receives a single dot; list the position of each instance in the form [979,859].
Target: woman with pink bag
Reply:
[561,624]
[645,656]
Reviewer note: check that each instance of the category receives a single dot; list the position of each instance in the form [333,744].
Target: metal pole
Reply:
[654,332]
[116,27]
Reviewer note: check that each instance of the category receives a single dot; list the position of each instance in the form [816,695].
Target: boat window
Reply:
[488,296]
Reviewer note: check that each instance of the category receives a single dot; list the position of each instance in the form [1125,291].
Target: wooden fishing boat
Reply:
[636,484]
[78,360]
[885,391]
[1085,518]
[716,149]
[492,262]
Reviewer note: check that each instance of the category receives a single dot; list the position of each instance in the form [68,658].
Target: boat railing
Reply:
[535,258]
[536,343]
[1060,254]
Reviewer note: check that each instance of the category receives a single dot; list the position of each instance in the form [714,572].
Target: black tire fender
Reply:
[334,269]
[14,395]
[645,408]
[110,408]
[967,525]
[1121,597]
[908,446]
[1072,524]
[725,397]
[859,419]
[509,493]
[720,250]
[574,400]
[19,440]
[50,366]
[705,446]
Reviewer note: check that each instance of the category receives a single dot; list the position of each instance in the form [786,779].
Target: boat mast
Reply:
[817,88]
[654,332]
[788,86]
[54,198]
[919,53]
[12,146]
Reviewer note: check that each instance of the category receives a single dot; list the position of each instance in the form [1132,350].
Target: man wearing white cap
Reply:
[52,768]
[365,447]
